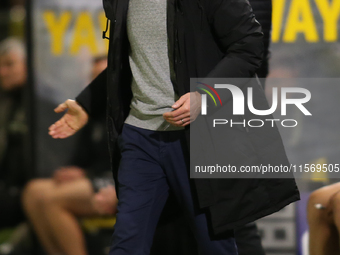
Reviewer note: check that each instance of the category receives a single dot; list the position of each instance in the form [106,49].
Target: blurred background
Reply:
[51,49]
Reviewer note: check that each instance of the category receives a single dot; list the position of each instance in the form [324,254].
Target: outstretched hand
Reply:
[73,120]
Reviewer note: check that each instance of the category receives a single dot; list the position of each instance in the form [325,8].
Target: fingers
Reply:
[58,124]
[180,116]
[60,108]
[61,129]
[181,101]
[179,121]
[66,105]
[57,127]
[73,120]
[183,111]
[182,122]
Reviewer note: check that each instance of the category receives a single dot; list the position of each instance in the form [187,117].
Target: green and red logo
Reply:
[205,88]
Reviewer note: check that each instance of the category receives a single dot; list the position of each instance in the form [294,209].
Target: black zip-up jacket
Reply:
[208,38]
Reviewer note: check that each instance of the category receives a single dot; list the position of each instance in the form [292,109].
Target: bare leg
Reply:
[59,205]
[32,202]
[323,234]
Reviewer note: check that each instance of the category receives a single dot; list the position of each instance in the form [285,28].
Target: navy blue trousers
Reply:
[154,162]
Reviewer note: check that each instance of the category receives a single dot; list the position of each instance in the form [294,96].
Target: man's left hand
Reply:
[184,111]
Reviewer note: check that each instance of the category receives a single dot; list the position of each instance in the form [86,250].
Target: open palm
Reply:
[73,120]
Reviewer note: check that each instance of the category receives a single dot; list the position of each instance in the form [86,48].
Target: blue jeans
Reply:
[152,163]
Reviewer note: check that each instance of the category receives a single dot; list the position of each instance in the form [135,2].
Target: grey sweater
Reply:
[153,92]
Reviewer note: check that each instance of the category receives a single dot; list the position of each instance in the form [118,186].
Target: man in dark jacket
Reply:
[155,47]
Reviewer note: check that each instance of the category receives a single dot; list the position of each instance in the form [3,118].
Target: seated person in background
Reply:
[53,205]
[13,131]
[324,220]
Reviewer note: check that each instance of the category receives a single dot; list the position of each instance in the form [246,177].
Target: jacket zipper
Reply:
[106,28]
[109,21]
